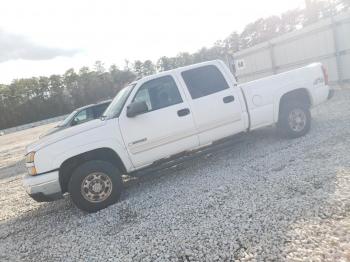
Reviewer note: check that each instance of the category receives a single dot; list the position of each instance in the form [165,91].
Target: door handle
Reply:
[183,112]
[228,99]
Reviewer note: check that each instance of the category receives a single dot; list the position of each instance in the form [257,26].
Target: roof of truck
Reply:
[211,62]
[96,104]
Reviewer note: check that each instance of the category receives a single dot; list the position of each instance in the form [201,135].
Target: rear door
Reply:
[166,129]
[216,106]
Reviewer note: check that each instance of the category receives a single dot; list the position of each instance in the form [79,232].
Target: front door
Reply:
[165,129]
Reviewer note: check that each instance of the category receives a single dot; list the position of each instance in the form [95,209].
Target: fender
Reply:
[281,92]
[309,81]
[53,155]
[107,143]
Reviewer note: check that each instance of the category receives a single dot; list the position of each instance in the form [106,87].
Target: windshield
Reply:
[68,118]
[118,102]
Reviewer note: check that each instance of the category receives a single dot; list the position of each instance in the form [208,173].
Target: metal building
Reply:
[327,41]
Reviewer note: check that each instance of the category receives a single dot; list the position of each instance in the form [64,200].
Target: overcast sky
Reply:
[41,37]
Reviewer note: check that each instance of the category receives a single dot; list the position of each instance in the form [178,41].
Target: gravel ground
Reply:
[264,198]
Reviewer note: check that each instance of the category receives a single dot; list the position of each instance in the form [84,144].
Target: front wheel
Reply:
[95,185]
[295,120]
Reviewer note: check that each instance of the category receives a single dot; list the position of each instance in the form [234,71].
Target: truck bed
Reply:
[263,95]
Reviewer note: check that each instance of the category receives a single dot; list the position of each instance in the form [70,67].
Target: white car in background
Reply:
[80,115]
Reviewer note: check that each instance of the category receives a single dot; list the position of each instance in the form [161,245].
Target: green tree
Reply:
[148,68]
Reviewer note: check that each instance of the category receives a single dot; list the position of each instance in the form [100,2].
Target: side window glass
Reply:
[203,81]
[159,93]
[83,116]
[143,95]
[98,110]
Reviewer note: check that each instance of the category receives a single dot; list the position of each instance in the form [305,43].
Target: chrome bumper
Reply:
[45,187]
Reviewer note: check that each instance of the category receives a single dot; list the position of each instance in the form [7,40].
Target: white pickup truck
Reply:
[161,117]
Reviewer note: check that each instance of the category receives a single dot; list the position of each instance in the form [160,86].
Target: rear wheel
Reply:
[95,185]
[295,120]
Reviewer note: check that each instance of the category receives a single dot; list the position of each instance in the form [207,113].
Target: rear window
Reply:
[204,81]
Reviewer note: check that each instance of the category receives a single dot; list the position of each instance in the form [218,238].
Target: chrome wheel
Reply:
[96,187]
[297,120]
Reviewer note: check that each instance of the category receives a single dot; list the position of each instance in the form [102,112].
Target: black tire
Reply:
[290,128]
[101,173]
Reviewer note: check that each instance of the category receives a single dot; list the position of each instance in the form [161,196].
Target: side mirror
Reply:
[136,108]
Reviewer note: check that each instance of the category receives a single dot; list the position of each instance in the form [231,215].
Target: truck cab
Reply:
[178,111]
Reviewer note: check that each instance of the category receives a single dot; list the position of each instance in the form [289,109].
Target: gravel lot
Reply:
[264,198]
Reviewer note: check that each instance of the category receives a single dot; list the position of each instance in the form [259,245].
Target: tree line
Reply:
[32,99]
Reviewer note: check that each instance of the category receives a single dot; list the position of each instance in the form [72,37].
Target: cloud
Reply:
[13,47]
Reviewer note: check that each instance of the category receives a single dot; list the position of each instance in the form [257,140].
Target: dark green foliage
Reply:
[29,100]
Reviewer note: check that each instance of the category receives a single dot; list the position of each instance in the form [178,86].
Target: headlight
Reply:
[30,157]
[30,164]
[32,171]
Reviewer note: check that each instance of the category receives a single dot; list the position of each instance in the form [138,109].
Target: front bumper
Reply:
[331,93]
[40,197]
[43,188]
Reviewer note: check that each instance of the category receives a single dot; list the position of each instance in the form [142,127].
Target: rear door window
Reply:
[203,81]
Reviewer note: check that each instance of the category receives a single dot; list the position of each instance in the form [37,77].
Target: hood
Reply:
[63,134]
[52,130]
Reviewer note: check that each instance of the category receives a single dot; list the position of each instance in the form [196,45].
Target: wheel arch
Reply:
[69,165]
[302,95]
